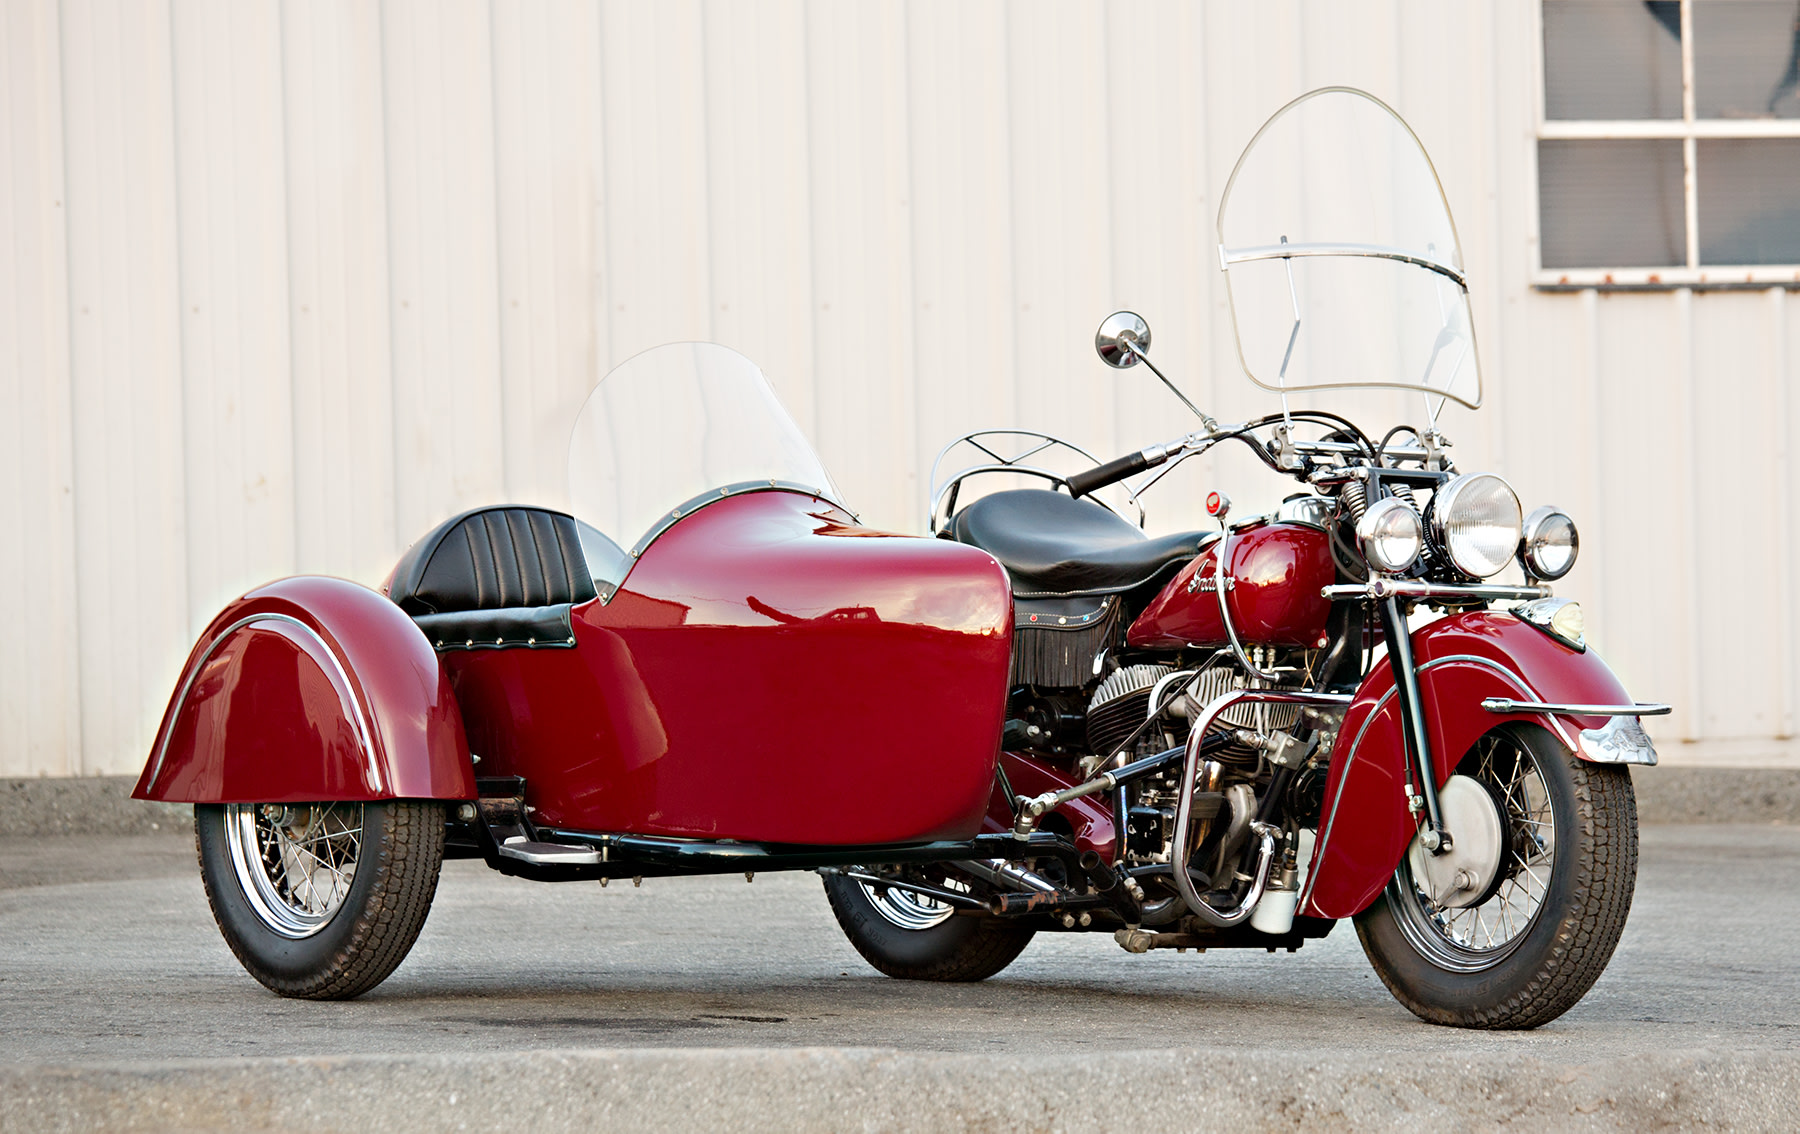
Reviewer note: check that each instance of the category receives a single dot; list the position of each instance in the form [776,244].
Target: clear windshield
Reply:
[1341,260]
[668,431]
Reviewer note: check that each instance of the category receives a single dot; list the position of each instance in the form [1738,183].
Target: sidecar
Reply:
[712,647]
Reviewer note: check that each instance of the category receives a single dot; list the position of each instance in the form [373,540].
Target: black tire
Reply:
[1549,961]
[955,949]
[286,935]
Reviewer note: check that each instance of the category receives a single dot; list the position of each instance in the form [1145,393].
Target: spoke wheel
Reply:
[1482,934]
[913,937]
[905,908]
[1527,947]
[320,900]
[295,864]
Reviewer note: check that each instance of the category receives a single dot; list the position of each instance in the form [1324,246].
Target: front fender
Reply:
[1365,826]
[310,688]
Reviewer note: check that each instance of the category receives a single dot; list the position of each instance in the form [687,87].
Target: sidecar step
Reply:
[548,854]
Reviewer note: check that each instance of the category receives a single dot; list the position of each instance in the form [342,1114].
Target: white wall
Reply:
[282,285]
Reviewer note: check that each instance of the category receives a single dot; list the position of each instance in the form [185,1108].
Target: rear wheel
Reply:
[912,937]
[1527,934]
[320,900]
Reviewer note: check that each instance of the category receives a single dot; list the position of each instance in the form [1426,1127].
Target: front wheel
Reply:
[1516,940]
[320,901]
[913,937]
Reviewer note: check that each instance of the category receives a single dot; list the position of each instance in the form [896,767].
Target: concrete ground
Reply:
[710,1003]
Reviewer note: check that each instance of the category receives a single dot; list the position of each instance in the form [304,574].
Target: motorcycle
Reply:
[1035,719]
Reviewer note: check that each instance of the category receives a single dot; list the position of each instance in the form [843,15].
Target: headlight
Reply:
[1475,519]
[1558,617]
[1391,535]
[1550,543]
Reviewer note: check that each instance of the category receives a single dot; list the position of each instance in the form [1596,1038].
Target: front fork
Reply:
[1412,726]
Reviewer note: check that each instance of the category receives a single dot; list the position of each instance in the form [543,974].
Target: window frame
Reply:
[1689,131]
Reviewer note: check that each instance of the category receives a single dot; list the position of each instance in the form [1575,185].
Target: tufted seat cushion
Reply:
[495,577]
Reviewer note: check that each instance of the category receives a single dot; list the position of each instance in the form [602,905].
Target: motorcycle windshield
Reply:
[672,430]
[1341,260]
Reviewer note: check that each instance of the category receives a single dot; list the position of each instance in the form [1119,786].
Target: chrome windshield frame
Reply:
[1230,256]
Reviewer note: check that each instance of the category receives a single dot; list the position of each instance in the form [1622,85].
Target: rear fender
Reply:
[310,688]
[1365,825]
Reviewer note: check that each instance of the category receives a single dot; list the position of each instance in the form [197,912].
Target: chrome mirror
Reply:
[1119,328]
[1124,340]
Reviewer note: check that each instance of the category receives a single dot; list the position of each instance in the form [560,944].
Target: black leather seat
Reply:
[495,577]
[1054,545]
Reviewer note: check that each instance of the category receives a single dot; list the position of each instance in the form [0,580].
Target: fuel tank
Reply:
[1273,578]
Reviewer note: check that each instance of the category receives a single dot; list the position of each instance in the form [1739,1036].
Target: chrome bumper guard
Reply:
[1641,709]
[1621,740]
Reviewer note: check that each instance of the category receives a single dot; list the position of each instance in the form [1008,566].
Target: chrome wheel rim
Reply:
[907,909]
[294,862]
[1483,935]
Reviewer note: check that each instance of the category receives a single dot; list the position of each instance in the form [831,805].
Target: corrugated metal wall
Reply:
[281,285]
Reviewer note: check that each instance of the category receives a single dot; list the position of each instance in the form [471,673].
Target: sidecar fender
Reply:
[310,688]
[1365,825]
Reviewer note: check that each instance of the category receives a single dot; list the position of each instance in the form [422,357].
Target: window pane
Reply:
[1612,59]
[1611,204]
[1745,59]
[1749,199]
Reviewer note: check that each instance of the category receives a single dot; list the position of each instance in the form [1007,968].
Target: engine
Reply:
[1121,703]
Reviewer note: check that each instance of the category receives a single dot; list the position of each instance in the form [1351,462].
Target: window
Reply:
[1669,143]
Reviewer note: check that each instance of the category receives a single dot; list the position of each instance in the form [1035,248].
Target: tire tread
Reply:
[1600,903]
[974,950]
[407,864]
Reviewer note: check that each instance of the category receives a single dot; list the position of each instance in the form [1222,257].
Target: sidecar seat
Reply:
[495,578]
[1055,546]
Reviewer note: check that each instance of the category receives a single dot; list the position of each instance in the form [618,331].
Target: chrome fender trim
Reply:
[1324,838]
[346,690]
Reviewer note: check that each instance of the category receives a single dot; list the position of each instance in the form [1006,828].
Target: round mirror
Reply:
[1119,328]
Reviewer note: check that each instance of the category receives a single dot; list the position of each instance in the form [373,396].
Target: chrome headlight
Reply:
[1550,543]
[1391,535]
[1475,519]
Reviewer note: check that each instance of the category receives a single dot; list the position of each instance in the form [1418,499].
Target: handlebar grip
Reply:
[1111,472]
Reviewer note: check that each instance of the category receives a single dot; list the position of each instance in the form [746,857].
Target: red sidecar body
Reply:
[750,670]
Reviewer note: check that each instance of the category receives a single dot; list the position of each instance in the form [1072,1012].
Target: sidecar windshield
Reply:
[669,431]
[1341,260]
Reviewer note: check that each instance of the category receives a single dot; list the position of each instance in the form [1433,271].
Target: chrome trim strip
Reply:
[1417,589]
[724,492]
[1229,256]
[1644,709]
[1322,841]
[361,721]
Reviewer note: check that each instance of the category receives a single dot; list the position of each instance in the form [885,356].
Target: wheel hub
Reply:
[1461,876]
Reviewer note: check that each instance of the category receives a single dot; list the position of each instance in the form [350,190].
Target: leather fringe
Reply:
[1063,657]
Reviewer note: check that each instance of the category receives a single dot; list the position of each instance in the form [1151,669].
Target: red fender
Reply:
[310,688]
[1365,826]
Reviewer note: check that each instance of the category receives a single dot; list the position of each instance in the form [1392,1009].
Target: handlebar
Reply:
[1112,472]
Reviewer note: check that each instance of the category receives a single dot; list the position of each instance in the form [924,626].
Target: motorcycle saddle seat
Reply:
[495,577]
[1055,545]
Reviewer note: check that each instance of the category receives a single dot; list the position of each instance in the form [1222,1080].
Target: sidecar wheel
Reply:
[912,938]
[320,901]
[1533,942]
